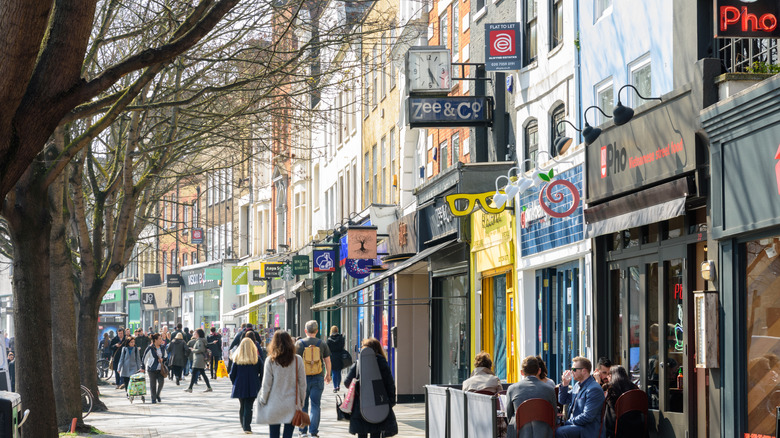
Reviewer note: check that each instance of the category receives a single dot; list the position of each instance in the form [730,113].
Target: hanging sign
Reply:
[359,268]
[300,265]
[437,112]
[287,272]
[239,275]
[361,243]
[213,274]
[272,270]
[324,260]
[196,236]
[502,51]
[747,19]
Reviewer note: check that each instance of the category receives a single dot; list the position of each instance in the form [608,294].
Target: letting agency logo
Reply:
[777,168]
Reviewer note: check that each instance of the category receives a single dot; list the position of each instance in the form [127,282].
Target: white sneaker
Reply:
[303,435]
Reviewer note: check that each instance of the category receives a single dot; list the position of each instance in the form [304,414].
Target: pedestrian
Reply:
[336,345]
[483,378]
[178,352]
[12,370]
[246,384]
[188,339]
[316,358]
[372,356]
[153,363]
[105,347]
[116,351]
[284,386]
[141,340]
[530,386]
[618,383]
[166,336]
[198,356]
[177,331]
[214,341]
[129,362]
[585,401]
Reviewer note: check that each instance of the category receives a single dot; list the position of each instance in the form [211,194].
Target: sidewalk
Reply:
[215,414]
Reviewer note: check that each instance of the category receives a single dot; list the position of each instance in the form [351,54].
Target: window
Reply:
[443,158]
[480,4]
[455,148]
[641,78]
[194,257]
[374,76]
[444,35]
[367,183]
[164,209]
[605,98]
[366,88]
[391,64]
[384,169]
[209,243]
[354,199]
[164,263]
[556,23]
[531,144]
[602,7]
[185,215]
[393,166]
[209,184]
[455,31]
[383,64]
[194,213]
[530,31]
[557,117]
[375,195]
[316,178]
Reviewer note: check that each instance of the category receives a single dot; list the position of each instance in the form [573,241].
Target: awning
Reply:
[330,302]
[251,306]
[660,203]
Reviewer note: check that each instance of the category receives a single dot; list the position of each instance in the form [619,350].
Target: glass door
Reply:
[557,316]
[451,341]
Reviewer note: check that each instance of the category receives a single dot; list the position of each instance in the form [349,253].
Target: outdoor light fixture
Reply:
[562,143]
[500,198]
[622,114]
[589,133]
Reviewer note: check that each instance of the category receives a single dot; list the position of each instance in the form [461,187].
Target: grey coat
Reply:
[529,387]
[129,362]
[276,401]
[199,354]
[482,379]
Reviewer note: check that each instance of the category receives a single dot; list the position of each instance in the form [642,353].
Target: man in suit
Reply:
[527,388]
[585,401]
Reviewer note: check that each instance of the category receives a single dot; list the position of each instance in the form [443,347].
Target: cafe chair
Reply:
[632,401]
[535,409]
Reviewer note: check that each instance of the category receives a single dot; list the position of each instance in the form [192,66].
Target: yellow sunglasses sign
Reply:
[462,204]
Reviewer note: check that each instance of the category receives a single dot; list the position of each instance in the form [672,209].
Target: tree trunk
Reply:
[27,211]
[87,349]
[67,388]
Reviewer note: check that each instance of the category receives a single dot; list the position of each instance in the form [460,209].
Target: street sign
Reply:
[502,52]
[437,112]
[300,265]
[196,236]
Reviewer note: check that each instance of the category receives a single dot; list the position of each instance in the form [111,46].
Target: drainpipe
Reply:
[577,67]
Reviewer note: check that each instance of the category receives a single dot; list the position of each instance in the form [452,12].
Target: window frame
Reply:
[557,111]
[598,89]
[443,155]
[527,150]
[556,28]
[530,26]
[455,31]
[633,67]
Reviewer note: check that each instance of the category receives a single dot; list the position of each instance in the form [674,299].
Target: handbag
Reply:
[300,418]
[346,359]
[349,399]
[341,415]
[163,370]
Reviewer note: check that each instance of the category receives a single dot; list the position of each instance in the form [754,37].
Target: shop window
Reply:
[652,342]
[614,241]
[650,233]
[530,31]
[763,334]
[697,221]
[674,228]
[631,237]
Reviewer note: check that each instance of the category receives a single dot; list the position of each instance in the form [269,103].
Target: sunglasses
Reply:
[462,204]
[574,369]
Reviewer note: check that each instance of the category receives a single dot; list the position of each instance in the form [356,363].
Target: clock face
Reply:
[429,70]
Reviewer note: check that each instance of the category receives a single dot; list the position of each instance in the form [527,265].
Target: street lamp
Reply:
[622,114]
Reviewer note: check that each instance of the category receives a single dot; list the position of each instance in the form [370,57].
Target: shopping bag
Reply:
[341,415]
[221,370]
[349,398]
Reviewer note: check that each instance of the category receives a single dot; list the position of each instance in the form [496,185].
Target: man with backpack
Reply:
[316,362]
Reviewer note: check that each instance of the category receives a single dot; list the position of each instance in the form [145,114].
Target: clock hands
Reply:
[433,78]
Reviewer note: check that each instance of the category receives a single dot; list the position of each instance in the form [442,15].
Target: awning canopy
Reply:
[657,204]
[332,301]
[251,306]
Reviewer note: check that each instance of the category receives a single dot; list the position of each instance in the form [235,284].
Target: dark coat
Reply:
[630,423]
[356,422]
[336,345]
[246,380]
[142,342]
[116,351]
[178,352]
[215,345]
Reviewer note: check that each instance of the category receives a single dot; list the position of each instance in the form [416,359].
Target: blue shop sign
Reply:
[436,112]
[538,230]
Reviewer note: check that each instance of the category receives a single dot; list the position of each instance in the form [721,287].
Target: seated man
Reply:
[527,388]
[483,378]
[602,371]
[585,401]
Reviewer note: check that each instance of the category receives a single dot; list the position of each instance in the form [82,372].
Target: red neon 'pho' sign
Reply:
[736,18]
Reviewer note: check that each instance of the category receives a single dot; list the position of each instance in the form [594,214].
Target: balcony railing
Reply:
[753,55]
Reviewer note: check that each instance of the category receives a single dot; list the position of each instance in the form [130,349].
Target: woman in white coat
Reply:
[284,373]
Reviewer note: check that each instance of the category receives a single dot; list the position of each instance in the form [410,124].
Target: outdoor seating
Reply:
[535,409]
[631,401]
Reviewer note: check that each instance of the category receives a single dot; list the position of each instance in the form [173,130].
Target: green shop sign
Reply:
[300,265]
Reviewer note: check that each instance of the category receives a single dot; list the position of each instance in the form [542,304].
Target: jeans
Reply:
[245,412]
[214,364]
[126,381]
[336,374]
[188,367]
[314,387]
[273,429]
[195,373]
[176,372]
[156,381]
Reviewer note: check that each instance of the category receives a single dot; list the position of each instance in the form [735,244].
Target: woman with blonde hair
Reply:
[284,373]
[243,374]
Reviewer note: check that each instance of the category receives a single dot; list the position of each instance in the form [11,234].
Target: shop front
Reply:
[495,303]
[744,131]
[203,286]
[647,215]
[554,269]
[161,306]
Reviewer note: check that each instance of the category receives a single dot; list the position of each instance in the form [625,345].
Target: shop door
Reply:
[648,302]
[450,330]
[557,311]
[494,322]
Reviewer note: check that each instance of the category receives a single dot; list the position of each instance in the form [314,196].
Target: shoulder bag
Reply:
[163,370]
[300,419]
[349,399]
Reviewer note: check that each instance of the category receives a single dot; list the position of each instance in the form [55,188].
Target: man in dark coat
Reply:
[141,340]
[214,344]
[116,350]
[178,330]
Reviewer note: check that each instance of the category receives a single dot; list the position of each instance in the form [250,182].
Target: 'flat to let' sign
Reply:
[449,111]
[743,18]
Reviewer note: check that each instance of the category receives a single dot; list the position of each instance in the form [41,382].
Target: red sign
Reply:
[746,18]
[603,161]
[502,52]
[196,236]
[777,169]
[502,43]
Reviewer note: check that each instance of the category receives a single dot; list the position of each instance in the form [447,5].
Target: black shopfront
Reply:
[646,194]
[744,131]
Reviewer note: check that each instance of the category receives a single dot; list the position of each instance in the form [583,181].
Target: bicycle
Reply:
[103,370]
[86,401]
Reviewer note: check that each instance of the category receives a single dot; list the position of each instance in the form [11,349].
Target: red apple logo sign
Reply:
[777,169]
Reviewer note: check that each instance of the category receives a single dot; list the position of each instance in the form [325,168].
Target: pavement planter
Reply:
[216,415]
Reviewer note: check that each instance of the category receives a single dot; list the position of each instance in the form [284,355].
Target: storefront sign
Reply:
[133,294]
[324,260]
[540,231]
[747,19]
[437,221]
[300,265]
[174,280]
[403,235]
[110,297]
[359,268]
[502,51]
[197,279]
[213,274]
[196,236]
[148,299]
[491,242]
[286,272]
[361,243]
[239,275]
[272,270]
[656,145]
[437,112]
